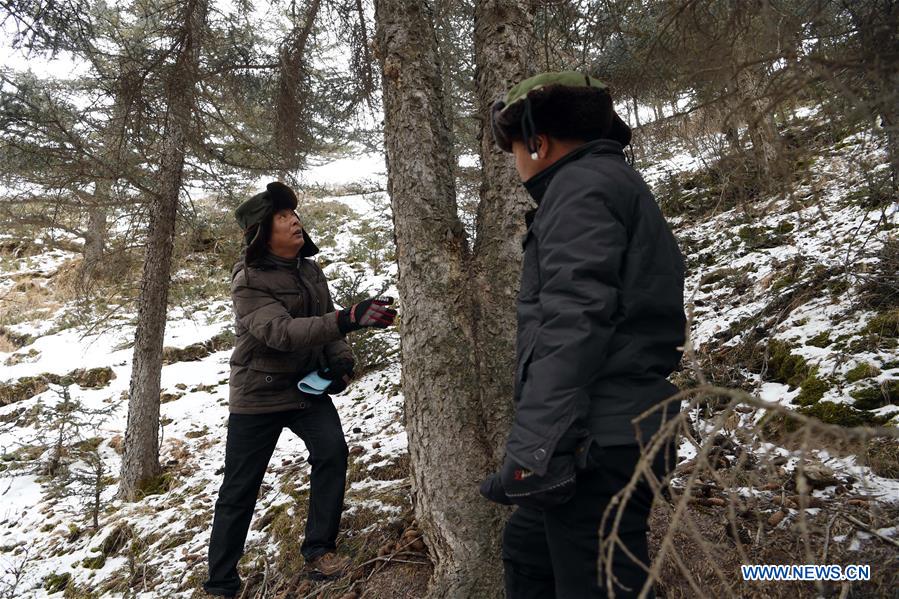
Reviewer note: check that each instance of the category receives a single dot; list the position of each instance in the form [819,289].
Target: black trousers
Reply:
[251,441]
[554,553]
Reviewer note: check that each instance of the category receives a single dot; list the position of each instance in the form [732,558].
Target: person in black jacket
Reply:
[601,326]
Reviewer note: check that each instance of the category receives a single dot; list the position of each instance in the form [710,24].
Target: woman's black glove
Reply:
[340,372]
[372,312]
[338,386]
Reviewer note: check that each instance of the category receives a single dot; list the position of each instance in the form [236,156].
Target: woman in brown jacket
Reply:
[287,328]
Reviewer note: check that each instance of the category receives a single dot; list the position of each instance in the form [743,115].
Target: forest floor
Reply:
[793,298]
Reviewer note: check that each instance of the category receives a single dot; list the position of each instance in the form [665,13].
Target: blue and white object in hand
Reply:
[313,384]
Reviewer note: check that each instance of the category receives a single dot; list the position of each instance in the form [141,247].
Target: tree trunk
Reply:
[140,461]
[502,44]
[637,142]
[96,233]
[113,153]
[458,330]
[451,448]
[759,120]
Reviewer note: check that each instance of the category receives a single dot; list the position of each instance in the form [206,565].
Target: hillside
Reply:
[793,297]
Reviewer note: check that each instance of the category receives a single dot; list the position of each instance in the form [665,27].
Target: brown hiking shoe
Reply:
[328,565]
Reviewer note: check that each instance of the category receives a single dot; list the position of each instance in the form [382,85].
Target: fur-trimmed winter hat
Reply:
[564,105]
[254,216]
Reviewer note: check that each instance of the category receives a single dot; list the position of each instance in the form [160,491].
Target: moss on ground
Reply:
[784,366]
[55,583]
[94,563]
[812,390]
[821,340]
[876,396]
[862,371]
[842,414]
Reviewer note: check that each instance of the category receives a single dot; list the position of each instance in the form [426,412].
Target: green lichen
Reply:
[156,485]
[55,583]
[782,283]
[784,227]
[117,539]
[885,325]
[717,276]
[94,563]
[837,287]
[784,366]
[842,415]
[757,238]
[22,389]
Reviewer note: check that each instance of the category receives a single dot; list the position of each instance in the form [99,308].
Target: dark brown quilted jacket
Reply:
[286,327]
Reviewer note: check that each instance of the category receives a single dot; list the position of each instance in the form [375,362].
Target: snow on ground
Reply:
[45,535]
[34,528]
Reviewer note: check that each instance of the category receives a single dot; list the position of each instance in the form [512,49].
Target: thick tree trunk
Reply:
[502,45]
[454,435]
[140,462]
[458,309]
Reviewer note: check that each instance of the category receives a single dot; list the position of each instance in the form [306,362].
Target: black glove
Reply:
[516,484]
[492,489]
[372,312]
[337,369]
[338,386]
[340,371]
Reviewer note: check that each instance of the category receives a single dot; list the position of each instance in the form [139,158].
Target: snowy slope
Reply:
[45,532]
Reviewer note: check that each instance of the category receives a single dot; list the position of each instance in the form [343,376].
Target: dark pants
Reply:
[251,441]
[554,553]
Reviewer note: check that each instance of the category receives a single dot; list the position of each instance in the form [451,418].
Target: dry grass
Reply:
[7,345]
[740,500]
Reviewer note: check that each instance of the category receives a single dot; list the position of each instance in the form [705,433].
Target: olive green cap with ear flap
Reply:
[261,206]
[558,111]
[566,78]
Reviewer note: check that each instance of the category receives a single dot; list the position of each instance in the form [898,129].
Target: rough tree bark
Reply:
[503,57]
[96,233]
[140,461]
[458,306]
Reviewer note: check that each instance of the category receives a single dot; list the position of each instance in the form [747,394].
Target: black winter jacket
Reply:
[601,319]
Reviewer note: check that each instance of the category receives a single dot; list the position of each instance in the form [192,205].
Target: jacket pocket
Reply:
[522,371]
[270,375]
[530,272]
[525,361]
